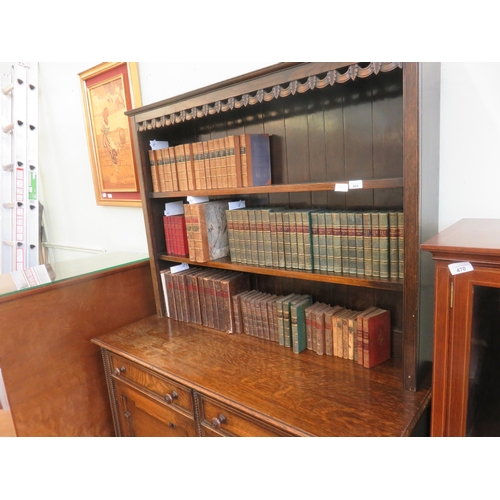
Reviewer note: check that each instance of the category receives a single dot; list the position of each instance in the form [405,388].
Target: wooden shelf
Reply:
[324,277]
[396,182]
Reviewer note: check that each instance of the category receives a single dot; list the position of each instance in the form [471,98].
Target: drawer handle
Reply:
[117,371]
[218,421]
[169,398]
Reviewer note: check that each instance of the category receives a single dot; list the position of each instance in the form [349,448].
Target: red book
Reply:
[176,235]
[376,337]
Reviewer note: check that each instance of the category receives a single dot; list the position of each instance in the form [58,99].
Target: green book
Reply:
[322,241]
[315,240]
[375,245]
[367,242]
[287,245]
[298,323]
[294,222]
[259,258]
[307,239]
[360,262]
[287,319]
[336,243]
[401,245]
[245,255]
[254,253]
[280,308]
[351,238]
[329,240]
[280,244]
[344,241]
[393,245]
[383,227]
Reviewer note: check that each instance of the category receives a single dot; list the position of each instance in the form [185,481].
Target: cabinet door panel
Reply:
[141,416]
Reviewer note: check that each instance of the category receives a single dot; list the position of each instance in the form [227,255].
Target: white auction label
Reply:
[460,267]
[179,268]
[355,184]
[341,186]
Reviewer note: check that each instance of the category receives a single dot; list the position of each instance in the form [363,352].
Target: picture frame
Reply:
[109,89]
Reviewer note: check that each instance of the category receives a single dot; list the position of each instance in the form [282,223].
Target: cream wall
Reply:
[469,174]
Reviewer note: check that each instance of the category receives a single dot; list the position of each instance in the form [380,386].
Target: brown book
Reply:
[274,313]
[309,324]
[338,333]
[194,295]
[233,163]
[230,286]
[255,159]
[189,160]
[244,300]
[190,219]
[160,170]
[218,304]
[347,334]
[180,162]
[209,230]
[376,337]
[167,169]
[318,317]
[207,164]
[155,179]
[201,293]
[210,300]
[223,178]
[251,328]
[168,293]
[359,333]
[237,314]
[329,319]
[353,335]
[173,168]
[199,166]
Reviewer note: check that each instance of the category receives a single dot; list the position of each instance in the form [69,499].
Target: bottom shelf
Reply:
[304,394]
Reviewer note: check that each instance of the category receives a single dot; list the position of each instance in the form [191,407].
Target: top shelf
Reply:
[339,186]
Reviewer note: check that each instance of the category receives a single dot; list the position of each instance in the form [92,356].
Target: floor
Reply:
[6,424]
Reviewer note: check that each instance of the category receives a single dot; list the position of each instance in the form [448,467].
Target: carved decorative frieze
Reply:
[264,95]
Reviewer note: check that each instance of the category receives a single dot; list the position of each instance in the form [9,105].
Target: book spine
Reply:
[167,165]
[231,234]
[351,233]
[160,170]
[319,331]
[266,258]
[344,241]
[258,159]
[254,251]
[367,243]
[190,173]
[243,160]
[360,258]
[294,222]
[298,324]
[260,237]
[375,245]
[323,266]
[393,245]
[329,241]
[328,332]
[337,244]
[307,240]
[273,260]
[154,171]
[401,245]
[384,244]
[287,245]
[245,251]
[280,244]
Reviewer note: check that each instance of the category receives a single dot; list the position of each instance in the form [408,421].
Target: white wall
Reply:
[470,135]
[72,216]
[469,175]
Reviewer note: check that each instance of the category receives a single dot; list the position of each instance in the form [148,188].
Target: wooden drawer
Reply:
[142,416]
[167,390]
[218,419]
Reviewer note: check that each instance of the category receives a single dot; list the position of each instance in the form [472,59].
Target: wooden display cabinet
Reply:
[329,123]
[466,369]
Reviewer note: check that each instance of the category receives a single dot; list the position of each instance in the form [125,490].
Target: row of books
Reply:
[203,296]
[234,161]
[297,322]
[224,300]
[355,242]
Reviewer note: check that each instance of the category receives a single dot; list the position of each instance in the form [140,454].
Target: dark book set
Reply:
[224,300]
[362,243]
[233,161]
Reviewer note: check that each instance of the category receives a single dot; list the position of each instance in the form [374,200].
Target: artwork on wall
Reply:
[108,90]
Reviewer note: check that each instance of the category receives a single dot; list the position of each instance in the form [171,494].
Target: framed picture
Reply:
[108,90]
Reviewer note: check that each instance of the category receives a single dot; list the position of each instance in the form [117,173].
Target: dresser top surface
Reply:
[317,395]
